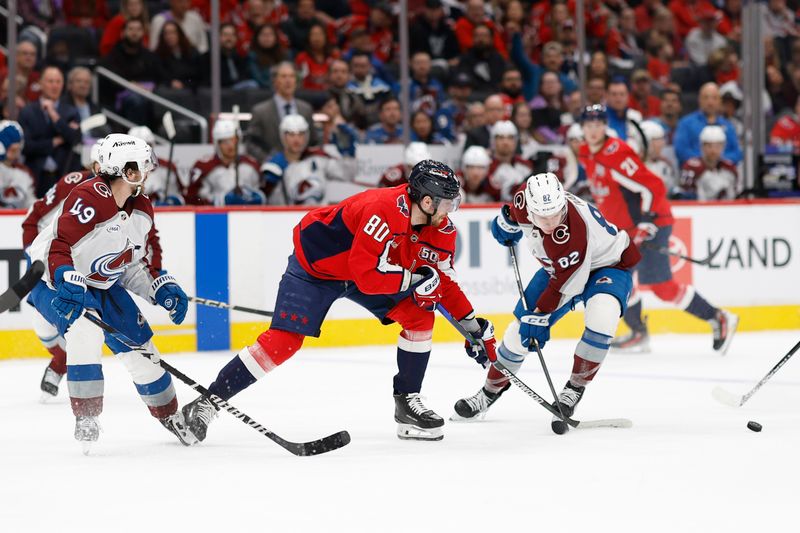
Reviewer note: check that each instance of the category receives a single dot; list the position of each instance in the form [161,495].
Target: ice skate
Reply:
[49,384]
[414,420]
[568,399]
[198,415]
[632,342]
[475,407]
[176,424]
[724,327]
[87,431]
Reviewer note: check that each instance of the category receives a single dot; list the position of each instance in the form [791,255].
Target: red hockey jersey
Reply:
[625,191]
[786,132]
[368,239]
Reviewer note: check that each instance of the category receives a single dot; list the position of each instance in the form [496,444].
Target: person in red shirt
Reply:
[687,14]
[645,12]
[786,131]
[642,99]
[635,200]
[86,13]
[313,63]
[476,14]
[112,32]
[390,250]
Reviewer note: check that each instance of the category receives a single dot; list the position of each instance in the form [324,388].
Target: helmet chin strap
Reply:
[138,186]
[428,216]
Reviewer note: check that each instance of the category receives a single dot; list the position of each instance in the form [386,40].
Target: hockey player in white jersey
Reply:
[299,174]
[654,159]
[95,250]
[585,259]
[507,169]
[16,181]
[164,185]
[226,178]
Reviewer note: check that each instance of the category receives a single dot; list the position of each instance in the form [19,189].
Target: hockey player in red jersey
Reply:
[389,250]
[635,200]
[584,259]
[709,177]
[95,249]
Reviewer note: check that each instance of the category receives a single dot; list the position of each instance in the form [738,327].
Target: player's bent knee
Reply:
[139,367]
[511,348]
[602,313]
[84,343]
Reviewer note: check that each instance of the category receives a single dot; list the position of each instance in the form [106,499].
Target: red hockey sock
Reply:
[495,380]
[59,362]
[583,371]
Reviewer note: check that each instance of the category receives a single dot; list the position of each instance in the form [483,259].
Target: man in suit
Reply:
[79,85]
[52,130]
[263,136]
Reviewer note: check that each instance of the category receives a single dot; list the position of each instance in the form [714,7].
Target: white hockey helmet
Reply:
[575,132]
[293,124]
[504,128]
[94,155]
[476,156]
[544,195]
[713,134]
[653,130]
[414,153]
[119,149]
[144,133]
[224,129]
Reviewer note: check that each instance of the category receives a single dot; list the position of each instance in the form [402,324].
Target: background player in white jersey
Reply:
[709,177]
[16,181]
[226,178]
[298,175]
[654,158]
[585,259]
[474,175]
[398,174]
[96,248]
[508,169]
[164,185]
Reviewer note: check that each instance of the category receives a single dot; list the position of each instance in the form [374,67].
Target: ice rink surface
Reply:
[688,464]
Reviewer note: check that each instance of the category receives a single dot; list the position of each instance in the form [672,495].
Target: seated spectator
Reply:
[233,68]
[482,61]
[474,174]
[780,21]
[687,133]
[644,14]
[556,24]
[730,25]
[256,14]
[179,59]
[671,108]
[92,14]
[16,180]
[52,131]
[474,16]
[297,26]
[598,66]
[332,125]
[390,128]
[398,174]
[263,136]
[361,42]
[732,99]
[380,31]
[164,185]
[226,178]
[522,118]
[546,109]
[659,59]
[265,53]
[26,70]
[79,87]
[654,159]
[299,175]
[704,39]
[507,169]
[619,114]
[775,87]
[190,21]
[112,32]
[432,33]
[313,62]
[58,54]
[19,97]
[709,177]
[367,89]
[664,27]
[642,98]
[511,88]
[480,134]
[455,107]
[426,93]
[44,15]
[131,60]
[596,91]
[423,130]
[688,14]
[475,118]
[623,41]
[350,107]
[785,133]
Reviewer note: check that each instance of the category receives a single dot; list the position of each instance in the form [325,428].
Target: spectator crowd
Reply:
[496,79]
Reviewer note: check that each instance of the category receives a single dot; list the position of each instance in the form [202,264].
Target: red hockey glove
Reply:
[485,347]
[643,232]
[427,291]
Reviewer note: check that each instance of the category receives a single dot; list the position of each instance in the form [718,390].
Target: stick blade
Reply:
[727,398]
[97,120]
[320,446]
[14,295]
[623,423]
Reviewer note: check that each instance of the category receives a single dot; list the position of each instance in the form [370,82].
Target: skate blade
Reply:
[455,417]
[86,447]
[409,432]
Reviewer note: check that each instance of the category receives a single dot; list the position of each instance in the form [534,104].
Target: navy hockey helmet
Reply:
[434,179]
[594,112]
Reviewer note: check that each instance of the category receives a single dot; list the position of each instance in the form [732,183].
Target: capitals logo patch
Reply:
[448,228]
[604,280]
[111,266]
[403,206]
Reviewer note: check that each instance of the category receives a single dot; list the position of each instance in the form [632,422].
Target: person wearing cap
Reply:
[507,169]
[642,99]
[709,177]
[786,131]
[687,133]
[432,33]
[704,39]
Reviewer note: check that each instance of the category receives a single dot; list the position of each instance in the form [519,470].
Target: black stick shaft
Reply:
[223,305]
[771,373]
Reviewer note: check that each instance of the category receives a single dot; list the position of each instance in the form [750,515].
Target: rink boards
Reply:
[238,255]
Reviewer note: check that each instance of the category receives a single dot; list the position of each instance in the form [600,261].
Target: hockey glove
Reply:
[504,230]
[70,294]
[165,292]
[534,326]
[643,232]
[171,201]
[426,290]
[485,347]
[245,197]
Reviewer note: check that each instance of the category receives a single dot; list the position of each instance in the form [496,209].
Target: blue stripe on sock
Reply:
[84,372]
[593,338]
[156,387]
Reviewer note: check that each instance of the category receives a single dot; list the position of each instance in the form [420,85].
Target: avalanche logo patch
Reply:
[604,280]
[111,266]
[403,206]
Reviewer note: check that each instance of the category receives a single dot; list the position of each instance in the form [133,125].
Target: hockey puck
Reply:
[754,426]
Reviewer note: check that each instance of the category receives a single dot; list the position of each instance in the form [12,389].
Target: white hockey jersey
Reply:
[156,186]
[16,187]
[304,182]
[211,179]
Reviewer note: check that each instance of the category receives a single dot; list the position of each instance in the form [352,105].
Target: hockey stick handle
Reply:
[667,251]
[223,305]
[771,373]
[297,449]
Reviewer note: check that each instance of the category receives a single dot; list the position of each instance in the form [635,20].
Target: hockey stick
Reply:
[88,124]
[513,251]
[667,251]
[316,447]
[169,131]
[14,294]
[223,305]
[237,189]
[586,424]
[733,400]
